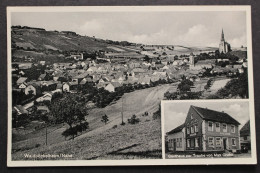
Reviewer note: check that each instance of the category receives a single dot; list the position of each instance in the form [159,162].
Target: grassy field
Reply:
[110,141]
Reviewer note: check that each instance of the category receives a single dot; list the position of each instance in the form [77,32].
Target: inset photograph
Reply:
[207,129]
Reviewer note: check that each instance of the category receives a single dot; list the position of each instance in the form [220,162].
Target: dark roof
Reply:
[245,130]
[209,114]
[177,129]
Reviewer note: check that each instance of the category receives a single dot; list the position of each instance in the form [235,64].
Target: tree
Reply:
[105,119]
[69,110]
[133,120]
[185,85]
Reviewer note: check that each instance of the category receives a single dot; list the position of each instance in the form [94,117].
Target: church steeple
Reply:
[222,35]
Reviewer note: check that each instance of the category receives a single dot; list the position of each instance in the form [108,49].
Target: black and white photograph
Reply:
[199,130]
[90,84]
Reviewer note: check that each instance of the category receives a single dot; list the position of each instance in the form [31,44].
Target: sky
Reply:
[175,113]
[199,28]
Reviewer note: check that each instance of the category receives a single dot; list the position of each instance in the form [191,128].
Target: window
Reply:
[191,116]
[233,141]
[188,143]
[245,137]
[196,142]
[177,142]
[232,129]
[191,129]
[218,142]
[217,127]
[224,127]
[180,142]
[210,128]
[188,130]
[211,142]
[196,128]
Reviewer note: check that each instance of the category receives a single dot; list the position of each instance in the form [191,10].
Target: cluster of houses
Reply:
[70,76]
[206,130]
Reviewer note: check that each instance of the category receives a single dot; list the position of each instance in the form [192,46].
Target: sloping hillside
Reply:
[111,140]
[40,39]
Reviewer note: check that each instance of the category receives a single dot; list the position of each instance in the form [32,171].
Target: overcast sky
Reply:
[175,28]
[175,113]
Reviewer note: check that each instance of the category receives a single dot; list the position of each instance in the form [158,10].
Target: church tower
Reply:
[224,46]
[191,59]
[222,36]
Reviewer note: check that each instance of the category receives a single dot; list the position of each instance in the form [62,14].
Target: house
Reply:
[21,80]
[144,80]
[33,88]
[42,62]
[110,87]
[42,77]
[77,57]
[205,130]
[176,139]
[43,109]
[66,87]
[69,86]
[22,86]
[45,97]
[48,85]
[25,66]
[245,137]
[20,110]
[210,130]
[92,69]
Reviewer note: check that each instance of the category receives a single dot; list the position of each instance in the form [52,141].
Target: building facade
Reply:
[224,46]
[205,130]
[176,139]
[209,130]
[245,137]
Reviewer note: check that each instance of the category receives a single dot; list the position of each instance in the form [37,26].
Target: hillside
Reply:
[37,42]
[142,140]
[40,40]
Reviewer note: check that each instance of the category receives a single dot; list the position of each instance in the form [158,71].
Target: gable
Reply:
[192,116]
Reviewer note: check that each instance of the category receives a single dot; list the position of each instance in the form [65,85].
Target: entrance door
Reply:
[174,145]
[225,143]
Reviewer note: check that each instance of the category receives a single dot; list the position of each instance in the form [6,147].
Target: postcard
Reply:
[130,85]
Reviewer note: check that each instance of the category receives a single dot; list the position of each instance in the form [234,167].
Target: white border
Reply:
[245,8]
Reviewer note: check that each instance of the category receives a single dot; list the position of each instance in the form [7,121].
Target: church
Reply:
[223,45]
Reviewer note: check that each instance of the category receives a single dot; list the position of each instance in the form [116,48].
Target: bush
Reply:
[73,131]
[157,114]
[145,114]
[133,120]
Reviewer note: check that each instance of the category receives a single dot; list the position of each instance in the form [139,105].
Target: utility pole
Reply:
[46,133]
[122,110]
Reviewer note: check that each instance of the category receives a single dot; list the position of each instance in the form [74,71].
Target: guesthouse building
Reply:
[210,130]
[205,130]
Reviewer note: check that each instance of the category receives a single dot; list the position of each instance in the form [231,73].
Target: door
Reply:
[174,145]
[225,143]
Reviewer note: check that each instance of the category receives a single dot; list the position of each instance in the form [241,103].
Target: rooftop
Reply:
[213,115]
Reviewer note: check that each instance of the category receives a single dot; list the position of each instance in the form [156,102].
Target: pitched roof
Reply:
[20,109]
[213,115]
[42,75]
[177,129]
[21,80]
[245,130]
[116,84]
